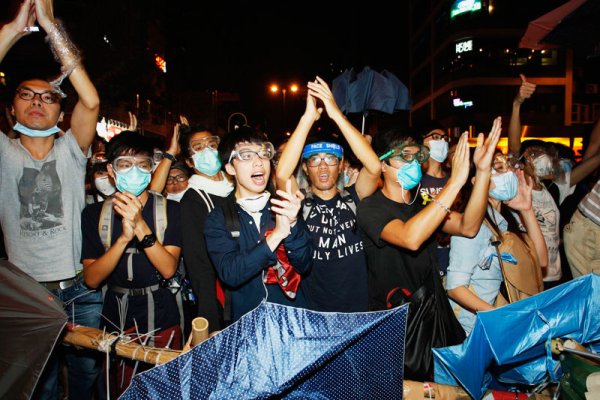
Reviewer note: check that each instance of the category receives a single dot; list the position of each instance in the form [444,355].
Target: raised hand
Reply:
[484,152]
[132,122]
[44,12]
[460,161]
[522,201]
[174,145]
[312,111]
[320,90]
[525,91]
[183,120]
[289,205]
[25,18]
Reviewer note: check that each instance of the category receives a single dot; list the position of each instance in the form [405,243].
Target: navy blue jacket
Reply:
[240,262]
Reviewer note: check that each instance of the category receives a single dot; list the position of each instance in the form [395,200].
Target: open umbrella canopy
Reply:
[511,345]
[31,320]
[370,90]
[285,352]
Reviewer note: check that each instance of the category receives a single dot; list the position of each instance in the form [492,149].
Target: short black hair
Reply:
[185,135]
[243,134]
[128,143]
[19,82]
[385,141]
[183,167]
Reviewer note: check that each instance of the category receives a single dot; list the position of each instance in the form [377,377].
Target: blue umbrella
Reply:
[370,90]
[288,352]
[511,345]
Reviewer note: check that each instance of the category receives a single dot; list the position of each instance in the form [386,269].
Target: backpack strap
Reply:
[349,200]
[160,215]
[232,219]
[309,203]
[105,223]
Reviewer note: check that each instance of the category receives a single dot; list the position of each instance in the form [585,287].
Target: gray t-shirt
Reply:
[40,207]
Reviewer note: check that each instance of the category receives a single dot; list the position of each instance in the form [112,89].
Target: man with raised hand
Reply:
[42,186]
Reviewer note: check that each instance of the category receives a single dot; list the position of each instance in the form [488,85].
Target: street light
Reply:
[274,88]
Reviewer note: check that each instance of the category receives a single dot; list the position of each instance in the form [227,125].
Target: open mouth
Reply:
[323,177]
[258,178]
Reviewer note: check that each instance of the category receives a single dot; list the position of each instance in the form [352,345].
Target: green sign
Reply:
[463,6]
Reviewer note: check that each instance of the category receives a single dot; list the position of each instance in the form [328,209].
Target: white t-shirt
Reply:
[40,207]
[547,213]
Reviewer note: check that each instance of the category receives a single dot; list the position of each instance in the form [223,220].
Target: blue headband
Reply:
[323,147]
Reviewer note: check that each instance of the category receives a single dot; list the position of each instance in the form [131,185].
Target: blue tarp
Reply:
[288,353]
[511,345]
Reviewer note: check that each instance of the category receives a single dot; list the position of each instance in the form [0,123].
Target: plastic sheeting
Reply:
[511,345]
[288,352]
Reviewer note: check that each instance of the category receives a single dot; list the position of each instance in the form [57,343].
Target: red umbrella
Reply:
[31,320]
[539,28]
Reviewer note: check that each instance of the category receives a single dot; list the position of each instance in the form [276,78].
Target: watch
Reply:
[147,241]
[170,156]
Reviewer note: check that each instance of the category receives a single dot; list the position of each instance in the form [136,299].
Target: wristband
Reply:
[170,156]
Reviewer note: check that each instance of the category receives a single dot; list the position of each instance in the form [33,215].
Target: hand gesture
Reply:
[183,120]
[525,91]
[128,230]
[132,122]
[320,90]
[44,13]
[129,207]
[25,18]
[522,201]
[484,152]
[288,206]
[312,111]
[460,161]
[174,145]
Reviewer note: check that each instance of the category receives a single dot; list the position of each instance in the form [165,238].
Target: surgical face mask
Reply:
[438,150]
[254,204]
[506,186]
[34,132]
[176,196]
[346,178]
[409,175]
[207,161]
[543,166]
[134,181]
[104,186]
[565,165]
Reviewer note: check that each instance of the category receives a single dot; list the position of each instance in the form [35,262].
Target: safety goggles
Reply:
[408,153]
[197,145]
[316,160]
[266,152]
[124,164]
[47,97]
[502,163]
[437,136]
[176,178]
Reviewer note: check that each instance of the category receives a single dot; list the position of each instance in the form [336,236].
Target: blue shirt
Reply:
[474,264]
[241,262]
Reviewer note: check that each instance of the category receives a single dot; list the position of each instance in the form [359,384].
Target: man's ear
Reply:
[190,163]
[229,169]
[383,167]
[61,116]
[12,110]
[473,180]
[305,169]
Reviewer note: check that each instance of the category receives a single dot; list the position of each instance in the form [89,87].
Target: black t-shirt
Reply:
[338,279]
[144,274]
[390,266]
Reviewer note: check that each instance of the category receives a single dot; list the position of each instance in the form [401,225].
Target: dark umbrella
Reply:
[370,90]
[280,352]
[31,320]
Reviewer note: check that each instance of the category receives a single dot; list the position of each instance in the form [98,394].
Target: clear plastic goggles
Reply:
[266,152]
[124,164]
[408,153]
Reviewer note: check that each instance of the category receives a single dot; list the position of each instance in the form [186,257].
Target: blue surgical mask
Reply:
[207,161]
[35,132]
[134,181]
[506,186]
[438,150]
[409,175]
[565,165]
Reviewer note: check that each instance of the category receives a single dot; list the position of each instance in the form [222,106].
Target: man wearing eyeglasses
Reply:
[271,250]
[42,185]
[338,279]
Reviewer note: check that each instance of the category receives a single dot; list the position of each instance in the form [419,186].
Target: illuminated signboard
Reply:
[161,63]
[461,47]
[459,103]
[463,6]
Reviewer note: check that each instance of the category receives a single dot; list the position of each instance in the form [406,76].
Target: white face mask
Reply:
[254,204]
[176,196]
[104,186]
[438,150]
[543,166]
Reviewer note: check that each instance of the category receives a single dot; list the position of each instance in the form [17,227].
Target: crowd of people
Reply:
[212,226]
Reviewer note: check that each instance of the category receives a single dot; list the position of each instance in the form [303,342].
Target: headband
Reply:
[323,147]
